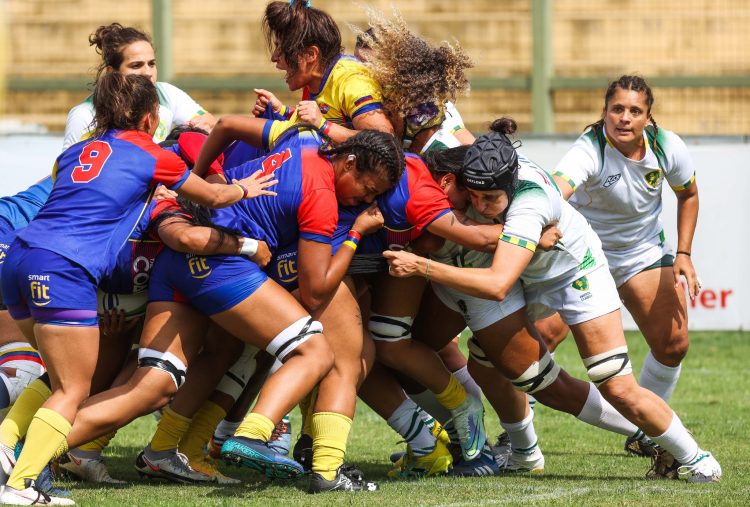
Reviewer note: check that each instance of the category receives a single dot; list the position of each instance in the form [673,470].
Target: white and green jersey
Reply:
[445,137]
[175,108]
[536,204]
[621,198]
[457,255]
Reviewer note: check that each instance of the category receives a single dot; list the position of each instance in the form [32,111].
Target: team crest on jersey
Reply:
[39,290]
[324,108]
[653,178]
[286,267]
[611,180]
[198,266]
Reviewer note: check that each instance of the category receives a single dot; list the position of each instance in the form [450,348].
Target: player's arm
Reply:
[219,195]
[687,218]
[228,129]
[494,282]
[308,111]
[182,236]
[320,274]
[474,237]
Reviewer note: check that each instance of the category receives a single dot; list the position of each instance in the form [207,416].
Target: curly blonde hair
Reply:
[410,71]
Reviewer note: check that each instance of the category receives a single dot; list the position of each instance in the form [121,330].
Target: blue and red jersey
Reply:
[16,211]
[102,186]
[413,204]
[306,205]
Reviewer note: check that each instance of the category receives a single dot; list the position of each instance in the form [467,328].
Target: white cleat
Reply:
[30,496]
[7,462]
[520,462]
[87,469]
[173,468]
[704,468]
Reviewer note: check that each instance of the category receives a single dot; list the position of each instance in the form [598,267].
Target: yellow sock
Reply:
[256,426]
[45,440]
[306,406]
[99,444]
[453,395]
[16,423]
[330,432]
[201,429]
[169,431]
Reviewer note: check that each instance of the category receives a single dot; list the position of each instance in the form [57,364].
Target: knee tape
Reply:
[166,361]
[604,366]
[235,379]
[390,329]
[537,376]
[293,336]
[477,353]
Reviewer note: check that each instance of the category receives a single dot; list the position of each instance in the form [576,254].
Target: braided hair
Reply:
[376,152]
[626,82]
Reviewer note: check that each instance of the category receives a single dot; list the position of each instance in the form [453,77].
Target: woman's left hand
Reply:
[683,266]
[403,264]
[369,220]
[309,112]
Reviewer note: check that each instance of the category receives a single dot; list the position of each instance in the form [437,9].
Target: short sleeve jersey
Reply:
[536,204]
[445,137]
[102,187]
[347,91]
[621,198]
[175,108]
[456,255]
[306,205]
[412,204]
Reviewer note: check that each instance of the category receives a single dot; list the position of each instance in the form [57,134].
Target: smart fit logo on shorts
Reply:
[198,266]
[286,267]
[38,290]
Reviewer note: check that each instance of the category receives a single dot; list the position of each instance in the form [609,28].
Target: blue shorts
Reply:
[212,283]
[50,288]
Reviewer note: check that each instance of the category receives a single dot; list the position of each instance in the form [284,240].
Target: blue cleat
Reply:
[481,466]
[257,455]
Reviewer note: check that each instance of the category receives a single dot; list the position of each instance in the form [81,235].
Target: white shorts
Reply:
[625,264]
[580,299]
[480,313]
[28,366]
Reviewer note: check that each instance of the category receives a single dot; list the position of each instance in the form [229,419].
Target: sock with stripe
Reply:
[408,420]
[678,441]
[522,434]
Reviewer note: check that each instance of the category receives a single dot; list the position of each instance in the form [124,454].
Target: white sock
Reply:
[522,435]
[598,412]
[225,429]
[659,378]
[678,441]
[465,379]
[426,399]
[408,420]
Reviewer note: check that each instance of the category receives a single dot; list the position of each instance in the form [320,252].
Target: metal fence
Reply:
[545,62]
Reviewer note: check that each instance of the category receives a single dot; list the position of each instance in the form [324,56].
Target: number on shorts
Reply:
[275,161]
[92,160]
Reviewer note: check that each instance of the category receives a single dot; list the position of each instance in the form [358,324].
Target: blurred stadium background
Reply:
[546,62]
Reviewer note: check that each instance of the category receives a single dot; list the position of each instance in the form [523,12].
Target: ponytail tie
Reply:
[307,4]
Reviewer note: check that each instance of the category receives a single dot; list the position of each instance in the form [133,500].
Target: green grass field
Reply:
[584,466]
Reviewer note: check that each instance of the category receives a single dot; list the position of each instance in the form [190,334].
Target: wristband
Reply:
[249,247]
[325,128]
[683,252]
[244,189]
[352,240]
[427,269]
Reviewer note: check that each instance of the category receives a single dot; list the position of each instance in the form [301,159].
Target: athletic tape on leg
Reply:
[166,361]
[604,366]
[477,353]
[293,336]
[235,379]
[388,328]
[537,376]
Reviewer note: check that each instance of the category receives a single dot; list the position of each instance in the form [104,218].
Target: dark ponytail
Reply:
[626,82]
[110,41]
[292,28]
[120,102]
